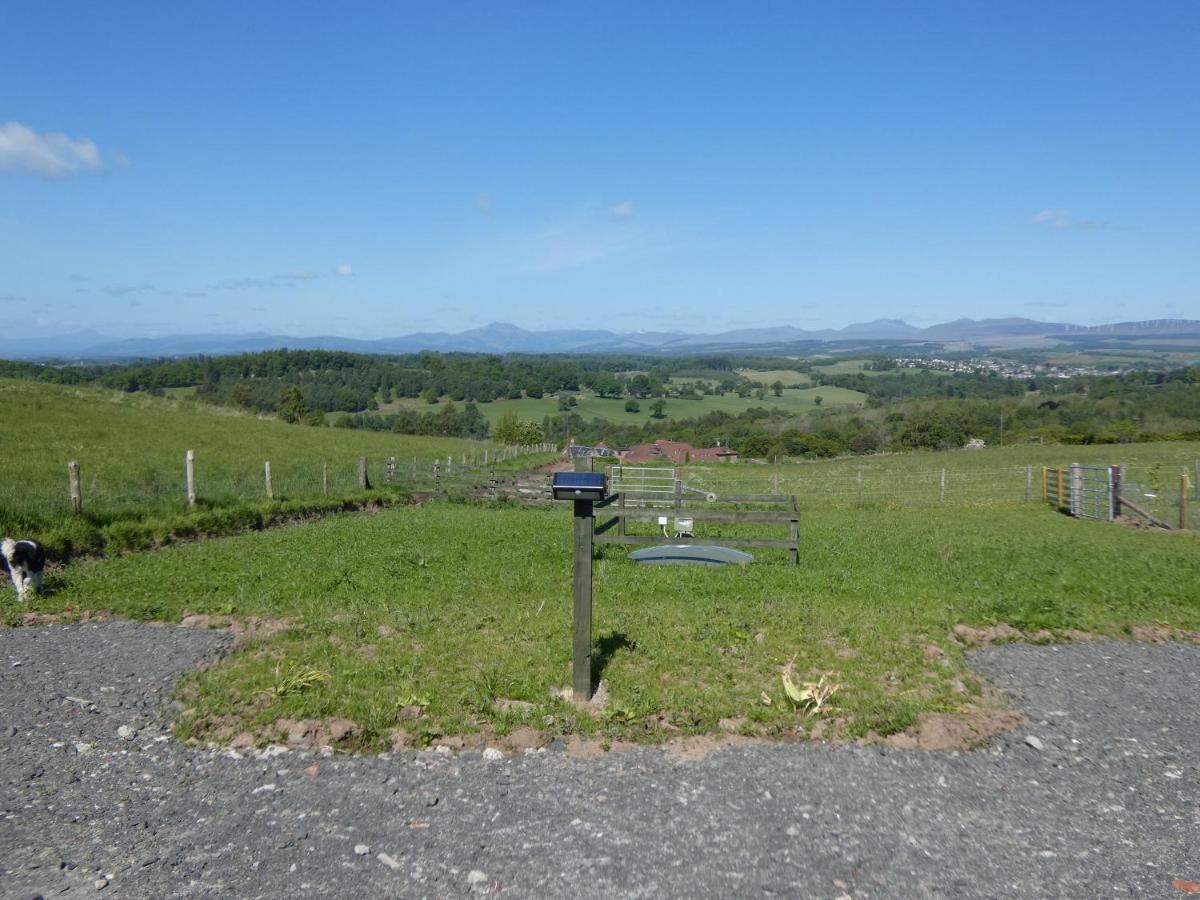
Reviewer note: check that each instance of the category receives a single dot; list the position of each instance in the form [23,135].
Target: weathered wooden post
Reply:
[1183,499]
[858,484]
[1028,483]
[1114,478]
[1076,489]
[189,464]
[363,481]
[942,487]
[1045,484]
[1062,489]
[437,477]
[74,487]
[267,476]
[325,478]
[581,645]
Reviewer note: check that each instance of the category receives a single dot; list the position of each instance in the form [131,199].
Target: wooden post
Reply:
[581,645]
[437,477]
[1045,484]
[325,478]
[267,476]
[942,487]
[1062,489]
[678,494]
[363,481]
[1028,483]
[74,487]
[858,484]
[190,468]
[1183,498]
[621,520]
[1115,480]
[794,536]
[775,480]
[1076,489]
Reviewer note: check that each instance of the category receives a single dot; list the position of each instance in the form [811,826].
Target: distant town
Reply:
[1007,368]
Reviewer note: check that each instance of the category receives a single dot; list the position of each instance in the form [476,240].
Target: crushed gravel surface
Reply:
[96,799]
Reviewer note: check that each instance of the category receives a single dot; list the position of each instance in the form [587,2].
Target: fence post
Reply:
[1062,488]
[1076,489]
[485,456]
[1183,498]
[267,476]
[189,465]
[363,481]
[325,478]
[1028,483]
[942,487]
[437,477]
[858,484]
[74,487]
[1045,484]
[1115,480]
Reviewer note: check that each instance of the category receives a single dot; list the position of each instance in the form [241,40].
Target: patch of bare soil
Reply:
[956,731]
[313,734]
[69,616]
[1161,634]
[244,630]
[1157,633]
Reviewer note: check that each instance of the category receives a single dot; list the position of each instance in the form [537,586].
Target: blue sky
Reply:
[373,170]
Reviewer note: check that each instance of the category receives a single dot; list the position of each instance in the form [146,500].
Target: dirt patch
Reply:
[698,747]
[983,637]
[244,630]
[69,616]
[956,731]
[1161,634]
[313,734]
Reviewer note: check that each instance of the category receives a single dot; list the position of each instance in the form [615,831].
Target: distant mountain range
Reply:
[500,337]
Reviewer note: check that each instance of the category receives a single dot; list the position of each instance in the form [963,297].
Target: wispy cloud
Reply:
[345,270]
[11,298]
[1061,218]
[283,279]
[49,154]
[623,210]
[486,203]
[124,290]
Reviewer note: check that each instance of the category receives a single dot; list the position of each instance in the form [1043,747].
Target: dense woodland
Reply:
[906,408]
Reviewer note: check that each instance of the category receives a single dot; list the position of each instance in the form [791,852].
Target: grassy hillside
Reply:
[450,607]
[131,454]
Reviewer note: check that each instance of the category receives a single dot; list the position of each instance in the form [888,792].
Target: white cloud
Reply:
[51,155]
[623,210]
[1055,218]
[1060,218]
[345,269]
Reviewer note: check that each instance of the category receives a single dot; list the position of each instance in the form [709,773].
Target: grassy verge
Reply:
[449,607]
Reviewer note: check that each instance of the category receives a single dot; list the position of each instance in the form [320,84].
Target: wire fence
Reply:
[876,485]
[112,490]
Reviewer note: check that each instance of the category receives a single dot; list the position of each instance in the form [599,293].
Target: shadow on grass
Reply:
[604,650]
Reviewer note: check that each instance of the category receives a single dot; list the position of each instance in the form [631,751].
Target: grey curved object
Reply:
[690,555]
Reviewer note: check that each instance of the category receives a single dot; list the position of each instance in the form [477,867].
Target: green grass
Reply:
[453,606]
[131,448]
[794,401]
[990,474]
[789,377]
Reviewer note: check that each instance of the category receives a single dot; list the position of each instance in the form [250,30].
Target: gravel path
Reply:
[1109,806]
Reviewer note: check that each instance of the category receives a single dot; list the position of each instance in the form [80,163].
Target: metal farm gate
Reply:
[1092,492]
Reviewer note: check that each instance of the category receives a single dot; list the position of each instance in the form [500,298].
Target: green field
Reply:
[789,377]
[449,608]
[993,474]
[590,406]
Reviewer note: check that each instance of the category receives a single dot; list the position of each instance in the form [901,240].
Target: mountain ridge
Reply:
[504,337]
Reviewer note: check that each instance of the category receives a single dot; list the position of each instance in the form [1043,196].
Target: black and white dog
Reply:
[24,562]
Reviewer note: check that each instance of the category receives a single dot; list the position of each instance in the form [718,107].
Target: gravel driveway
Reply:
[1109,806]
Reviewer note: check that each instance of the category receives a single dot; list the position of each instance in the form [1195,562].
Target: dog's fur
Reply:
[24,562]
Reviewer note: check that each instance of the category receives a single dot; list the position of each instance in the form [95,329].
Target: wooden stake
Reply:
[1115,479]
[858,479]
[1045,484]
[1062,489]
[267,476]
[190,469]
[942,487]
[325,478]
[1028,483]
[1183,499]
[363,481]
[75,488]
